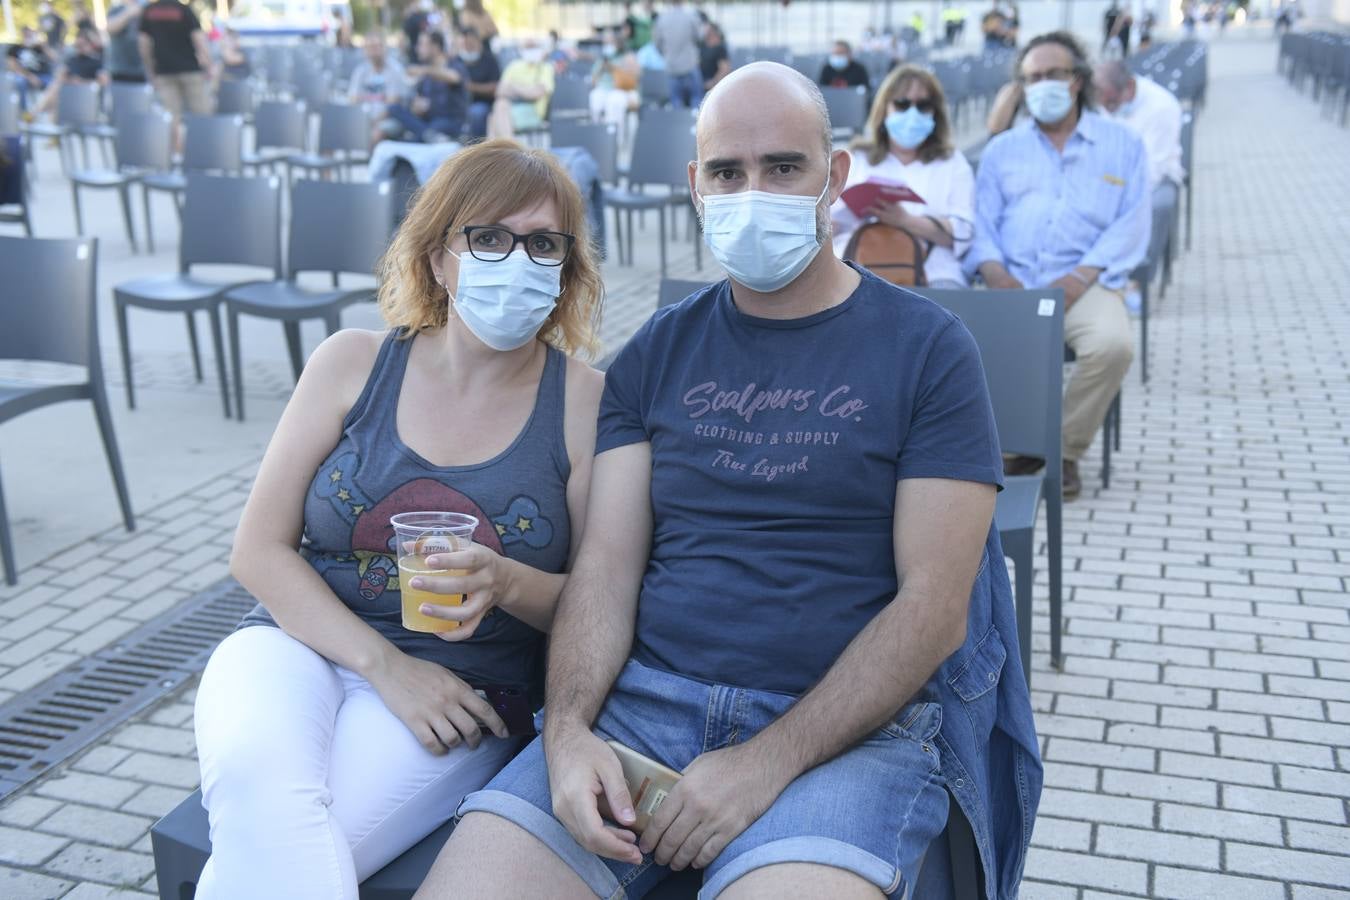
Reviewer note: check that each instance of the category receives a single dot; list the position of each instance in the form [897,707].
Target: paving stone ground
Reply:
[1196,740]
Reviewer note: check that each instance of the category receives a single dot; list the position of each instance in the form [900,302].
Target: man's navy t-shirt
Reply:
[776,448]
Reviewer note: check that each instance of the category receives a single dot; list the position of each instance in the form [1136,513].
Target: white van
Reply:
[286,18]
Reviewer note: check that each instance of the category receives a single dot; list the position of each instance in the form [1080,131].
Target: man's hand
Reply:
[1073,289]
[420,106]
[998,279]
[581,768]
[720,795]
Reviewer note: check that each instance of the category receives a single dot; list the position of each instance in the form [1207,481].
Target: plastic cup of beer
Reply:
[421,535]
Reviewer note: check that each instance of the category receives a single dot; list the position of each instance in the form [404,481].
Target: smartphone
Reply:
[512,704]
[649,783]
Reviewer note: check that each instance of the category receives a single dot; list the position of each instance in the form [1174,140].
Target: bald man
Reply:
[788,588]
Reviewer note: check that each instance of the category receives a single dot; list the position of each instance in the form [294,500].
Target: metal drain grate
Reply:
[46,725]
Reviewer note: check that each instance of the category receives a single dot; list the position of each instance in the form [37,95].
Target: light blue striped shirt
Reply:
[1042,213]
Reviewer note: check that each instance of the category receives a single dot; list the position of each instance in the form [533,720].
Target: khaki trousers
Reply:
[1098,329]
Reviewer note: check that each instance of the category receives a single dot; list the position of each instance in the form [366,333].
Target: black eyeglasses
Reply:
[1047,75]
[492,243]
[903,105]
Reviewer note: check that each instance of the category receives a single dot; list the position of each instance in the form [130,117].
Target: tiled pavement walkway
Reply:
[1197,741]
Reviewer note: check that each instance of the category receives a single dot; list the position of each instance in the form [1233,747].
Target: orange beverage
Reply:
[420,536]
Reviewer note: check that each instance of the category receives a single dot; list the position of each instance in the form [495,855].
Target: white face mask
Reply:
[532,55]
[505,303]
[763,240]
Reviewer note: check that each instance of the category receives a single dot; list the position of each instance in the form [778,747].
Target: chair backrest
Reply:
[663,148]
[571,97]
[847,106]
[9,112]
[339,226]
[77,105]
[600,140]
[145,141]
[654,87]
[232,220]
[52,313]
[343,127]
[312,87]
[673,290]
[234,98]
[129,99]
[213,143]
[1021,339]
[280,123]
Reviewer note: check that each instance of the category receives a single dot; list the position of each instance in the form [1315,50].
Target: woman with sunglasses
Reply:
[908,139]
[331,738]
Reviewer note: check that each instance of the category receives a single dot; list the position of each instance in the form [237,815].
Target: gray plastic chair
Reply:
[1021,335]
[344,140]
[9,112]
[234,97]
[13,148]
[76,109]
[335,227]
[571,99]
[279,130]
[654,87]
[662,148]
[123,99]
[142,144]
[49,313]
[211,144]
[848,109]
[228,221]
[1159,245]
[598,139]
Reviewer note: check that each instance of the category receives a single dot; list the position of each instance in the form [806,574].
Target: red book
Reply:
[862,197]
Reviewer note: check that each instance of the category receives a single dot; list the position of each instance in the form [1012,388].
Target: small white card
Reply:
[1046,307]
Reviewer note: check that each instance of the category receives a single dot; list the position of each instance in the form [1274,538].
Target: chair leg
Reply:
[27,220]
[1115,432]
[192,343]
[149,230]
[218,343]
[7,544]
[662,221]
[105,430]
[79,217]
[297,355]
[123,340]
[236,362]
[1190,208]
[1021,548]
[1054,540]
[628,230]
[1143,332]
[125,192]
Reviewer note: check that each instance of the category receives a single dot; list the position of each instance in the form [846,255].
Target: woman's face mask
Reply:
[504,303]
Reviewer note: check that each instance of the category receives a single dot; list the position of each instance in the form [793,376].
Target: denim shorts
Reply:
[872,810]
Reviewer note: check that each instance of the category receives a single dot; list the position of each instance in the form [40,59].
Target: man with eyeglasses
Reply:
[1062,201]
[788,588]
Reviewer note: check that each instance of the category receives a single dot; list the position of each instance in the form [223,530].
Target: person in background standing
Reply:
[234,63]
[342,27]
[675,35]
[414,23]
[640,26]
[474,15]
[714,61]
[52,25]
[841,69]
[176,59]
[123,54]
[484,73]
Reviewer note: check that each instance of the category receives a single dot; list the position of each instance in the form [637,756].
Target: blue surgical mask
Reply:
[1049,101]
[837,61]
[471,58]
[910,128]
[505,303]
[763,240]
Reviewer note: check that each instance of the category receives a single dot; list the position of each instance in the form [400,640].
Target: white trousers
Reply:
[310,783]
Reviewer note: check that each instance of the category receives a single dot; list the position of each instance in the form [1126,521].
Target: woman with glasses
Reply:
[907,139]
[330,737]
